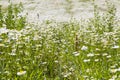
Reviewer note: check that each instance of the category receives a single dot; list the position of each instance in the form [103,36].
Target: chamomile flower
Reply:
[76,53]
[90,55]
[109,56]
[104,54]
[84,48]
[113,70]
[96,60]
[86,60]
[115,47]
[21,73]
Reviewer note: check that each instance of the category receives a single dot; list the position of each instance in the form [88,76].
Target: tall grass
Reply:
[11,18]
[85,50]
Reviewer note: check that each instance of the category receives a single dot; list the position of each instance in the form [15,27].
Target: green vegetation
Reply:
[11,18]
[85,50]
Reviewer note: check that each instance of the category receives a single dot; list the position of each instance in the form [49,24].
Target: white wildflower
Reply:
[105,54]
[76,53]
[86,60]
[44,63]
[113,70]
[56,61]
[118,69]
[97,49]
[87,70]
[113,77]
[90,55]
[3,30]
[85,76]
[71,69]
[115,47]
[12,54]
[21,73]
[1,39]
[67,74]
[109,56]
[84,48]
[96,60]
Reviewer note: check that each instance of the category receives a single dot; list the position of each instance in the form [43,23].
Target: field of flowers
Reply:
[73,50]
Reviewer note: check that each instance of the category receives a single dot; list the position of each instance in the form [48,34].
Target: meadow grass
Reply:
[73,50]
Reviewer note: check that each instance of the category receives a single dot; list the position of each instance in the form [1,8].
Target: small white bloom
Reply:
[21,73]
[115,47]
[109,56]
[97,49]
[113,70]
[84,48]
[3,30]
[71,69]
[56,61]
[113,77]
[1,39]
[118,69]
[85,76]
[67,74]
[87,70]
[76,53]
[86,60]
[12,54]
[90,55]
[105,54]
[96,60]
[44,63]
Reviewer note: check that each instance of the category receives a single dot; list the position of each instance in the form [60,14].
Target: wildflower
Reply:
[96,60]
[84,48]
[44,63]
[86,60]
[0,39]
[85,76]
[118,69]
[3,30]
[1,45]
[97,49]
[67,74]
[12,54]
[113,77]
[115,47]
[71,69]
[56,61]
[88,70]
[21,73]
[105,54]
[109,56]
[113,70]
[76,53]
[90,55]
